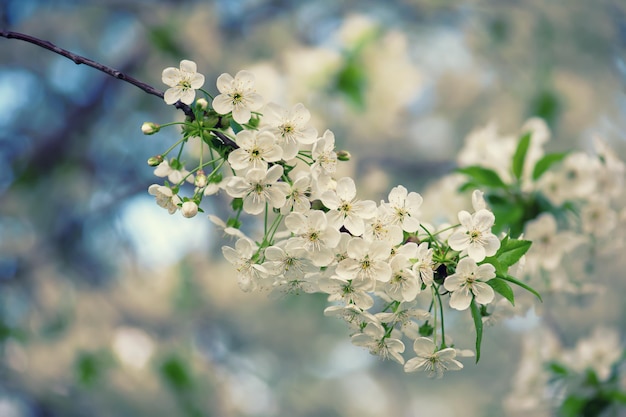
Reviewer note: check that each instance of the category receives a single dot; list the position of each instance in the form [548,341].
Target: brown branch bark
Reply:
[78,60]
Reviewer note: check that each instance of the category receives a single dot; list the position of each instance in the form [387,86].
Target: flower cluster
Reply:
[388,272]
[560,201]
[588,378]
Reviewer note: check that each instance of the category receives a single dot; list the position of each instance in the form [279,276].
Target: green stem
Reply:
[443,329]
[178,142]
[434,316]
[206,92]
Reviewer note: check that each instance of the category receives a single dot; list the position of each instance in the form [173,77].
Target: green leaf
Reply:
[90,367]
[235,126]
[478,324]
[546,104]
[501,287]
[483,176]
[508,214]
[351,81]
[511,252]
[521,284]
[572,406]
[176,373]
[558,369]
[520,155]
[546,162]
[426,330]
[500,269]
[617,396]
[163,38]
[468,186]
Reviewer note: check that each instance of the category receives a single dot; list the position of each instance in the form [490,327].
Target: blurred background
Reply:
[109,306]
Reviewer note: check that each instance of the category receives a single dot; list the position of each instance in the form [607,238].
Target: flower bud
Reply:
[189,209]
[149,128]
[343,155]
[201,179]
[202,103]
[155,160]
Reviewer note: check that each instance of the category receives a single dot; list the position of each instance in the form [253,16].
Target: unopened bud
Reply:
[189,209]
[201,179]
[155,160]
[202,103]
[149,128]
[343,155]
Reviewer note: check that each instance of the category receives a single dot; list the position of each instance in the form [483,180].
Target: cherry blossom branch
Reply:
[78,60]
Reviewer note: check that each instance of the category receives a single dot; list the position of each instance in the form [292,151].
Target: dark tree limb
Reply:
[81,60]
[78,60]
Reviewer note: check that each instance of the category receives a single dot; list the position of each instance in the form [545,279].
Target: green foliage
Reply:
[501,287]
[478,325]
[557,369]
[523,285]
[163,38]
[235,126]
[175,372]
[546,162]
[91,367]
[512,207]
[351,81]
[572,407]
[426,330]
[509,253]
[509,214]
[187,295]
[512,250]
[547,105]
[520,155]
[483,177]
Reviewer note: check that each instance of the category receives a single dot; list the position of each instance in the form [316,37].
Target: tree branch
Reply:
[78,60]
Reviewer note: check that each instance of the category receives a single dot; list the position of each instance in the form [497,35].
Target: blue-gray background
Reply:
[91,267]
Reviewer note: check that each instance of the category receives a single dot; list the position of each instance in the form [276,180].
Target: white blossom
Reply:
[314,234]
[403,284]
[469,281]
[324,156]
[549,245]
[374,338]
[355,316]
[242,257]
[404,315]
[598,218]
[599,353]
[403,208]
[424,267]
[349,292]
[475,235]
[288,259]
[189,209]
[297,199]
[380,228]
[165,197]
[290,128]
[431,360]
[183,82]
[174,175]
[367,262]
[345,209]
[258,188]
[255,150]
[237,96]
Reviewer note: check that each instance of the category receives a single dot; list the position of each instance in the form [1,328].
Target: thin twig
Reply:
[78,60]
